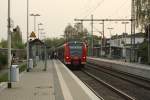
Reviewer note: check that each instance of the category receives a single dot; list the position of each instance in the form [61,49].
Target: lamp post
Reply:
[9,47]
[34,15]
[40,34]
[110,28]
[28,69]
[27,36]
[39,29]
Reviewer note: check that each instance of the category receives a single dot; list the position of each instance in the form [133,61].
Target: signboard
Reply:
[32,35]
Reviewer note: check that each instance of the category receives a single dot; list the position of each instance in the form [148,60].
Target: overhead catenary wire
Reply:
[92,10]
[86,9]
[119,8]
[98,30]
[116,11]
[89,11]
[122,5]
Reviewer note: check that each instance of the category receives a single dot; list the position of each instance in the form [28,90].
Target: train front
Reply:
[75,54]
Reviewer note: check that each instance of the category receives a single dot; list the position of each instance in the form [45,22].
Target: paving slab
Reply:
[34,85]
[57,83]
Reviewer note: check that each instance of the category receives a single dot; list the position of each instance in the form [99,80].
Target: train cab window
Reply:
[75,49]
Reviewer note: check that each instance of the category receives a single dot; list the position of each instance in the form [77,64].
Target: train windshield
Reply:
[76,49]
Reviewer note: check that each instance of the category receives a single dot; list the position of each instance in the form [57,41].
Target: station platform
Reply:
[132,68]
[57,83]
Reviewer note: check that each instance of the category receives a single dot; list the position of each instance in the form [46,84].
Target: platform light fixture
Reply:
[34,15]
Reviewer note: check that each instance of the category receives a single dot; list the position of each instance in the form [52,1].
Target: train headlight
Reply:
[67,57]
[84,57]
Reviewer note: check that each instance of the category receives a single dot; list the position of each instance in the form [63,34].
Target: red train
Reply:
[73,54]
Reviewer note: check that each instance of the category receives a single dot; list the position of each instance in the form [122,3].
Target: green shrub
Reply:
[4,77]
[142,52]
[3,60]
[22,67]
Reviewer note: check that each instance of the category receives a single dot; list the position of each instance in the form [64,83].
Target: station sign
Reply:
[32,35]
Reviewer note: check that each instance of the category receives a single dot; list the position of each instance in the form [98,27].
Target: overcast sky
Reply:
[56,14]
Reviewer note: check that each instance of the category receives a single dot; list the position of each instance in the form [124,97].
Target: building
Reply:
[120,45]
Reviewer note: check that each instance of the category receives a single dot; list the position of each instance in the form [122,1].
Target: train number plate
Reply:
[75,58]
[75,62]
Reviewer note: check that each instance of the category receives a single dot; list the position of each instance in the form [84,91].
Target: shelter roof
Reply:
[36,42]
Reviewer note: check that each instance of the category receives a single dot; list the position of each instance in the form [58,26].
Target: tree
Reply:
[3,59]
[3,55]
[54,42]
[69,32]
[76,32]
[142,13]
[17,38]
[3,43]
[142,52]
[80,30]
[143,22]
[96,40]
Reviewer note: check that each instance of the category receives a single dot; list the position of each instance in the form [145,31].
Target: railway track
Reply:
[137,80]
[102,89]
[128,86]
[119,92]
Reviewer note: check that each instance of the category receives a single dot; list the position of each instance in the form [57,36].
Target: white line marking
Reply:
[82,85]
[66,92]
[3,85]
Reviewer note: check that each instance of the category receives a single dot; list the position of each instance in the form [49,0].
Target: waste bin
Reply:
[30,63]
[139,59]
[37,59]
[14,73]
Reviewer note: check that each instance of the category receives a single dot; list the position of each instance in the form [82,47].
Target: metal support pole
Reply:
[82,30]
[131,44]
[39,30]
[9,47]
[110,41]
[134,46]
[103,38]
[125,24]
[101,46]
[45,51]
[34,23]
[92,44]
[27,36]
[82,27]
[132,52]
[34,15]
[148,43]
[133,18]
